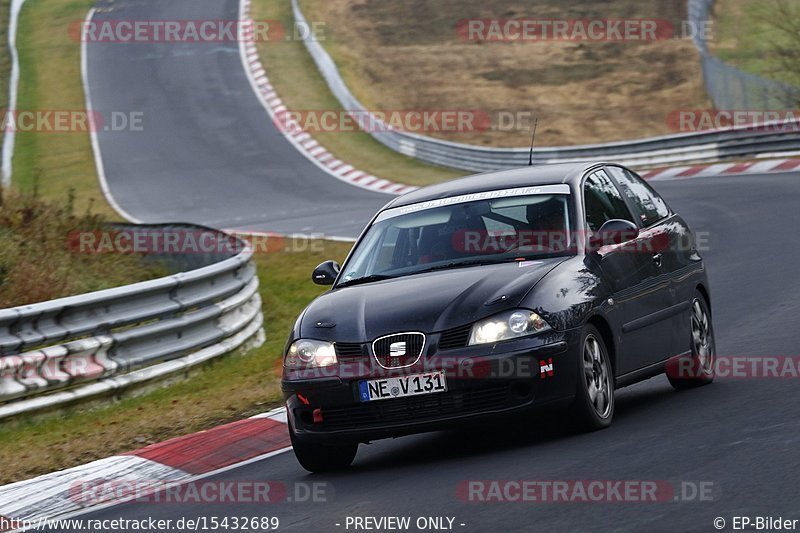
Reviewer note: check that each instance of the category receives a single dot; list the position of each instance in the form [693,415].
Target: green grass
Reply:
[298,82]
[53,163]
[746,35]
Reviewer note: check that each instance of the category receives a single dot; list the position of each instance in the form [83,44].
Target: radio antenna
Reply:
[533,140]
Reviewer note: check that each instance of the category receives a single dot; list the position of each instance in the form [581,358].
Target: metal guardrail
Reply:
[655,151]
[81,347]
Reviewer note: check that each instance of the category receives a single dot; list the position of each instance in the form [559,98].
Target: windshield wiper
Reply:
[447,266]
[457,264]
[365,279]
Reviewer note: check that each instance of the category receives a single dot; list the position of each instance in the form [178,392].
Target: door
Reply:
[672,246]
[633,277]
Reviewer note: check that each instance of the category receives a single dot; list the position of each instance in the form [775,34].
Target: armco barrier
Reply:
[655,151]
[85,346]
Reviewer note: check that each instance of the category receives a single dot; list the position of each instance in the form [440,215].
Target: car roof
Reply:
[568,173]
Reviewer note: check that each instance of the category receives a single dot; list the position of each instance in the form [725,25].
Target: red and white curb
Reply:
[722,169]
[179,460]
[292,130]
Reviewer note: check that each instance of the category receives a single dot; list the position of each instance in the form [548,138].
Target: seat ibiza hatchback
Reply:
[496,295]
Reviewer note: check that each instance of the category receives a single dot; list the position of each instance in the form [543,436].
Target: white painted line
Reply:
[13,87]
[98,157]
[308,236]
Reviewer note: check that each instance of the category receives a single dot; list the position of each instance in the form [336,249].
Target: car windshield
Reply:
[521,224]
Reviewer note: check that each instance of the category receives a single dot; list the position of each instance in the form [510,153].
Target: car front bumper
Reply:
[483,383]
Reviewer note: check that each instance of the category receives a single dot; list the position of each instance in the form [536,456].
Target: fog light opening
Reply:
[521,390]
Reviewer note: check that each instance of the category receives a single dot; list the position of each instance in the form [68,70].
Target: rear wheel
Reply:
[594,398]
[322,457]
[696,369]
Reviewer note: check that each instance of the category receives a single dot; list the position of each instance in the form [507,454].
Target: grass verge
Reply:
[296,79]
[50,80]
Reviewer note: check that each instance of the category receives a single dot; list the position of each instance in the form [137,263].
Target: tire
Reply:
[697,369]
[322,457]
[593,407]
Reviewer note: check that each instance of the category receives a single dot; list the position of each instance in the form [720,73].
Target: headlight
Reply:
[508,325]
[307,353]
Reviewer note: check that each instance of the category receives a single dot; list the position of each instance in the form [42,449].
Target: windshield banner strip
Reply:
[473,197]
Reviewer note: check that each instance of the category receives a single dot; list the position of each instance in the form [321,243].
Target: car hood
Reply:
[431,302]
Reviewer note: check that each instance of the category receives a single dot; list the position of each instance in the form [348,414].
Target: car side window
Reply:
[603,201]
[648,205]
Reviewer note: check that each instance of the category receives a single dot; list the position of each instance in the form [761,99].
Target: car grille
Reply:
[419,409]
[348,350]
[455,338]
[410,346]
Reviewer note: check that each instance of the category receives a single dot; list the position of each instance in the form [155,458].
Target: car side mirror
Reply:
[614,231]
[326,273]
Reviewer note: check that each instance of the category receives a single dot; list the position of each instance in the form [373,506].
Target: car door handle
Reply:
[657,258]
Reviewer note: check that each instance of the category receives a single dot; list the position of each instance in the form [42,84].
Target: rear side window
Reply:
[603,201]
[649,206]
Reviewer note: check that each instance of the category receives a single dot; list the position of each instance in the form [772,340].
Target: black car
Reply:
[536,288]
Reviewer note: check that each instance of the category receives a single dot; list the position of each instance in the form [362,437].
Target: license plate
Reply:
[399,387]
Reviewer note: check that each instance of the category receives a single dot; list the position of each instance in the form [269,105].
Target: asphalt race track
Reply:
[209,154]
[740,434]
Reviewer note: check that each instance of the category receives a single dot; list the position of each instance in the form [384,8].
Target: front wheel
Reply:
[594,398]
[322,457]
[697,369]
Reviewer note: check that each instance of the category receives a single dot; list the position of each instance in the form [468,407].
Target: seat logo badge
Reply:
[397,349]
[546,368]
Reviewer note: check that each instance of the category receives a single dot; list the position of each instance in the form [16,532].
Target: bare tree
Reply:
[785,42]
